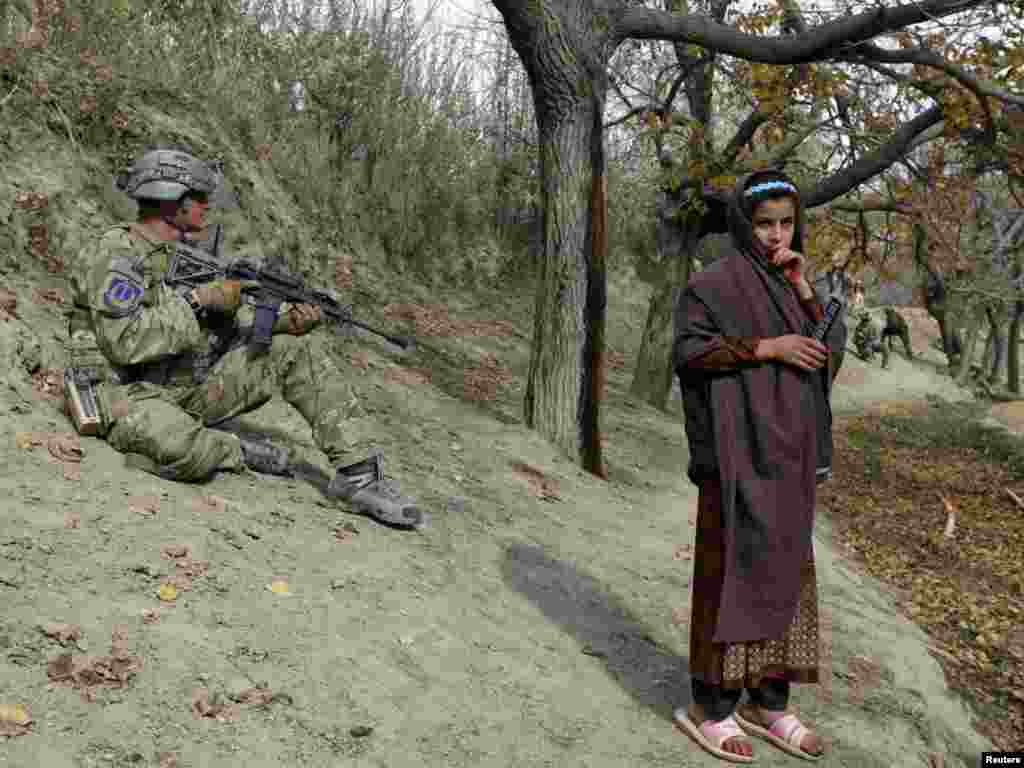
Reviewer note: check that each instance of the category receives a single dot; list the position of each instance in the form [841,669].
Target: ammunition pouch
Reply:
[81,402]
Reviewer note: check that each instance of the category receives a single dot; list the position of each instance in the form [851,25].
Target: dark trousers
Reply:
[718,702]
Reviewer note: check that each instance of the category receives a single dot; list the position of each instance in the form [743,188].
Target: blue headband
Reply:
[766,186]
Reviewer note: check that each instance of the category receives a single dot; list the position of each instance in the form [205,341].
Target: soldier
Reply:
[857,301]
[896,326]
[867,338]
[155,404]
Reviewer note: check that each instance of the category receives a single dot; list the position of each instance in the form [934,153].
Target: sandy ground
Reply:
[537,622]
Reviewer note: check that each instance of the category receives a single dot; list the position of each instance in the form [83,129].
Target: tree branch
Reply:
[882,206]
[744,134]
[817,43]
[782,151]
[928,58]
[679,82]
[873,162]
[619,120]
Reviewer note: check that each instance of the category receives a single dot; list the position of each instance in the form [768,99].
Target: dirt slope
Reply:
[540,620]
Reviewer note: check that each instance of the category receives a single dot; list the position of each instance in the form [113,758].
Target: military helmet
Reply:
[166,174]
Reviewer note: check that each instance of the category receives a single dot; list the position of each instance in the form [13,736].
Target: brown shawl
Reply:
[755,428]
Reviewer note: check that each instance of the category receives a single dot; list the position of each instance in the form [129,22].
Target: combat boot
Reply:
[363,486]
[265,458]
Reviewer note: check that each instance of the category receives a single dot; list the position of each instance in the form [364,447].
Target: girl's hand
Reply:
[792,264]
[800,351]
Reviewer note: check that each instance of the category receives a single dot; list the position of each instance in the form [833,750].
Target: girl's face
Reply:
[774,223]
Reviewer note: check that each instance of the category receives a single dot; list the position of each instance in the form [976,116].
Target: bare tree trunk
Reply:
[990,337]
[997,341]
[652,377]
[565,57]
[1013,342]
[1013,351]
[563,389]
[970,343]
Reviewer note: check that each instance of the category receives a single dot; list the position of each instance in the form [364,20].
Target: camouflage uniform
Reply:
[867,337]
[155,405]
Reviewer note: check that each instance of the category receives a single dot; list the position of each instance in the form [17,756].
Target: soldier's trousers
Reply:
[168,425]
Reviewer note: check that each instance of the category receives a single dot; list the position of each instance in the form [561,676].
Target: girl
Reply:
[758,423]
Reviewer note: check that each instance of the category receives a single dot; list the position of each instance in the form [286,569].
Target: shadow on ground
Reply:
[603,626]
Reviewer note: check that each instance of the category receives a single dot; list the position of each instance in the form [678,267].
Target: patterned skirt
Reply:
[793,657]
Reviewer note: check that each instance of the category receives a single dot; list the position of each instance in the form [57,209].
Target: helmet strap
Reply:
[171,220]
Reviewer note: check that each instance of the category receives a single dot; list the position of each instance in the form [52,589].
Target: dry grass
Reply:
[895,468]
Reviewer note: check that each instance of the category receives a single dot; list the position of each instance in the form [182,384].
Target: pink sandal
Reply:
[786,732]
[711,734]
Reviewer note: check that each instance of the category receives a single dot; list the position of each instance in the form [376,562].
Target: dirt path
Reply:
[540,620]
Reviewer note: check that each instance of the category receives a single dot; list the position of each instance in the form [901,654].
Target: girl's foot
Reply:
[722,738]
[784,730]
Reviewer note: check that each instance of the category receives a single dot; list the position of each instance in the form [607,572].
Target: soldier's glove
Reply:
[298,319]
[222,295]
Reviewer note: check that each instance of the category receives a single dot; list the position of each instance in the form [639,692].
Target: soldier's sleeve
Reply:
[136,323]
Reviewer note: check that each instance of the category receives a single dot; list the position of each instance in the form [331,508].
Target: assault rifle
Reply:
[273,285]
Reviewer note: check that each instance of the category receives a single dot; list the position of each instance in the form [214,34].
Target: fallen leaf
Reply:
[48,296]
[29,201]
[344,533]
[8,304]
[192,568]
[343,272]
[144,505]
[62,633]
[60,668]
[171,551]
[88,672]
[203,707]
[49,382]
[254,696]
[430,320]
[543,486]
[72,519]
[279,587]
[150,615]
[64,447]
[407,375]
[180,581]
[14,719]
[209,503]
[167,592]
[29,439]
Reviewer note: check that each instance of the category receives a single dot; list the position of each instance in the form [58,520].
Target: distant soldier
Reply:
[857,306]
[896,326]
[867,338]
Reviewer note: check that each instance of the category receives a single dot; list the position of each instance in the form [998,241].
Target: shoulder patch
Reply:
[122,293]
